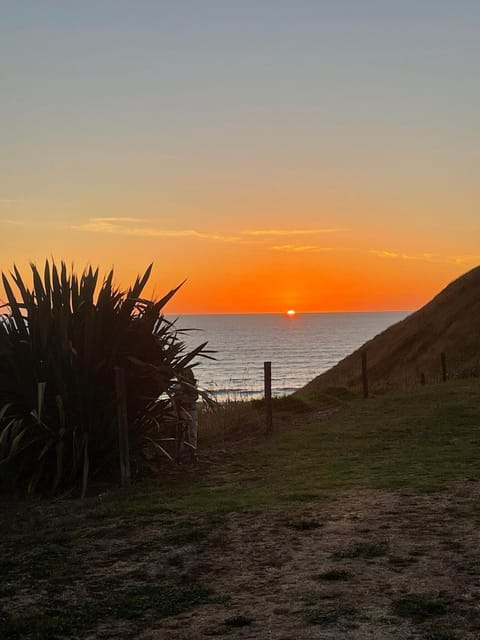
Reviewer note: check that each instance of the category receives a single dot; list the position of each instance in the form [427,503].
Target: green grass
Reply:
[43,553]
[133,603]
[420,441]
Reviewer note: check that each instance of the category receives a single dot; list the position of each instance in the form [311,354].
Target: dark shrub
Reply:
[60,342]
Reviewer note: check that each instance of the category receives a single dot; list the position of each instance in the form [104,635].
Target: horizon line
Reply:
[282,313]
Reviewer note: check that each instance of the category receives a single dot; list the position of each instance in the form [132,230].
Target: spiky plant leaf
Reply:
[59,344]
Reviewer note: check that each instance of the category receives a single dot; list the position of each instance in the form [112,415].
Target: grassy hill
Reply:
[449,323]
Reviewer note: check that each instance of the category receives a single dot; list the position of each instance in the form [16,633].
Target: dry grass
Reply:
[228,422]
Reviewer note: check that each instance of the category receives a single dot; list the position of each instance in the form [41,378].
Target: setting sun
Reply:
[291,312]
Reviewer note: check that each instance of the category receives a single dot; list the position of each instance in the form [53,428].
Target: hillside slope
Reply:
[398,356]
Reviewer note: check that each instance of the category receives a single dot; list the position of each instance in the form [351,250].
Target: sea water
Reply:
[299,347]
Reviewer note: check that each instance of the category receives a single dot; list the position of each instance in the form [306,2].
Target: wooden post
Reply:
[422,379]
[267,369]
[121,397]
[364,374]
[443,359]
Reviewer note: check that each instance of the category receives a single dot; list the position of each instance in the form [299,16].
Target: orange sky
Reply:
[319,156]
[249,270]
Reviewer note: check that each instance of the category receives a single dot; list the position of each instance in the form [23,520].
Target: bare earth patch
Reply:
[369,564]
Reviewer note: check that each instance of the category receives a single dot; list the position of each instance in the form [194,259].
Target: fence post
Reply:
[364,374]
[422,379]
[443,359]
[267,370]
[122,419]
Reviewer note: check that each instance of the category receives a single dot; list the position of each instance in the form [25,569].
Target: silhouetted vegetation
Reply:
[60,342]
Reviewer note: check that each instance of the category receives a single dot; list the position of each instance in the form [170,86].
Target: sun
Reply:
[291,313]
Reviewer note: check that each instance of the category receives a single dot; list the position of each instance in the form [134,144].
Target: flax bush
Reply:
[60,340]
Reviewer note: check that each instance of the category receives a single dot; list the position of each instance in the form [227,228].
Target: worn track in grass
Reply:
[363,526]
[332,570]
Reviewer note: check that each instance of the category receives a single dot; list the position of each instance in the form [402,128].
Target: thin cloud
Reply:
[32,223]
[119,220]
[385,254]
[7,201]
[465,259]
[309,248]
[288,232]
[426,257]
[122,226]
[19,223]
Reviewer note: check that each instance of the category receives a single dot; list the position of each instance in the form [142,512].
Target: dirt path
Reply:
[342,570]
[367,565]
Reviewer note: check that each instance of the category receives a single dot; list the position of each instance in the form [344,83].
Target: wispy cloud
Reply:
[287,232]
[308,248]
[8,201]
[465,259]
[19,223]
[128,227]
[132,226]
[30,224]
[119,220]
[427,257]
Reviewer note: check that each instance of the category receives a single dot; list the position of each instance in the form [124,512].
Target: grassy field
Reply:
[358,525]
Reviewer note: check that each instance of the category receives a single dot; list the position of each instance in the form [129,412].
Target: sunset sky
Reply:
[319,155]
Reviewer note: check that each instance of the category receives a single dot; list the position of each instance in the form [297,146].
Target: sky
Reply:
[321,155]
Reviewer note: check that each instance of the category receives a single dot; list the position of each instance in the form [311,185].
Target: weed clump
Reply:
[335,574]
[418,607]
[238,621]
[363,550]
[305,525]
[329,615]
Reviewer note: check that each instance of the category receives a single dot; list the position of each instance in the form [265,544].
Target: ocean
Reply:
[299,347]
